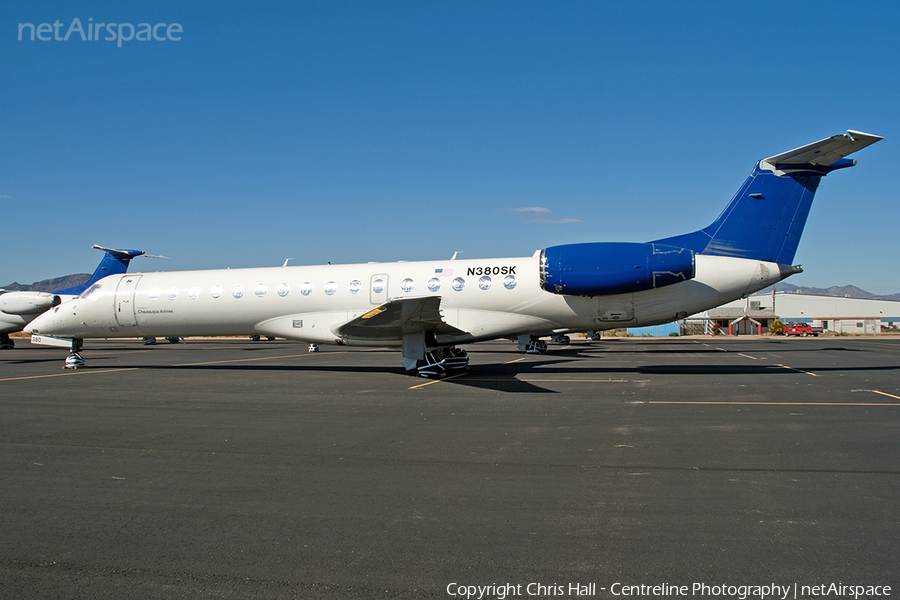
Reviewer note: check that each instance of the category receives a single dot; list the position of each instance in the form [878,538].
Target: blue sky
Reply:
[382,131]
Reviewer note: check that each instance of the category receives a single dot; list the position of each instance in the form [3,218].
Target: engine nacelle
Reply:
[601,269]
[28,303]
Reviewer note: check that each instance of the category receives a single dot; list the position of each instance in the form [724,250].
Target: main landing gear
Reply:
[6,341]
[443,361]
[532,345]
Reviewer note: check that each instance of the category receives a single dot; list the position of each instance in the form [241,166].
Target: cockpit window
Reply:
[92,293]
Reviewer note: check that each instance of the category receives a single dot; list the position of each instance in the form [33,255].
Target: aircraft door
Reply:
[125,300]
[378,289]
[619,311]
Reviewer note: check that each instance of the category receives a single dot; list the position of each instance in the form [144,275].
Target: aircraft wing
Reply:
[825,152]
[397,318]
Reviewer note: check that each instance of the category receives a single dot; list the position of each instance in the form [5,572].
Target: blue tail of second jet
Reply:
[766,217]
[113,262]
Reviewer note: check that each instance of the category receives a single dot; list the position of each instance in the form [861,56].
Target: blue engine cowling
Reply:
[600,269]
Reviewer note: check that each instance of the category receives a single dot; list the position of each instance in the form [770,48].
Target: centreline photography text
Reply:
[790,591]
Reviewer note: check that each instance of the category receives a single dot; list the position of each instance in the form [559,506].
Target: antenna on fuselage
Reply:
[454,255]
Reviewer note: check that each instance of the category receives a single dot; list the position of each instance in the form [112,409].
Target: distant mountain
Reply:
[846,291]
[49,285]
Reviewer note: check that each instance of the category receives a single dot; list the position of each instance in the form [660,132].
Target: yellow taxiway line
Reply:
[726,402]
[72,372]
[798,370]
[215,362]
[237,360]
[433,381]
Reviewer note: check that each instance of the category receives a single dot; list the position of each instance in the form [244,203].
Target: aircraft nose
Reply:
[43,323]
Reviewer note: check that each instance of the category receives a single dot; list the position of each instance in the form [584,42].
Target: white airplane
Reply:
[428,308]
[18,309]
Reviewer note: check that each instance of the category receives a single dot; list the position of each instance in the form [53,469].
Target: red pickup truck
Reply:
[803,329]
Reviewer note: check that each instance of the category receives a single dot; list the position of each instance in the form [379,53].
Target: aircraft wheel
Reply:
[536,347]
[6,342]
[456,360]
[433,366]
[74,361]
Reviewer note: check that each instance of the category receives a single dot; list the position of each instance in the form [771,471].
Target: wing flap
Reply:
[397,318]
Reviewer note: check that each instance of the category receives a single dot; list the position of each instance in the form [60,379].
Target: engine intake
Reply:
[28,303]
[605,268]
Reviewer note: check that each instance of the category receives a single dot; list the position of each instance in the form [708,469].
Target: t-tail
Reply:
[114,262]
[766,217]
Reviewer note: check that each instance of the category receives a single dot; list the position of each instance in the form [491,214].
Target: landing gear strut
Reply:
[75,360]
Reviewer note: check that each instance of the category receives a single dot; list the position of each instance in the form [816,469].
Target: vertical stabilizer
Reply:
[766,217]
[113,262]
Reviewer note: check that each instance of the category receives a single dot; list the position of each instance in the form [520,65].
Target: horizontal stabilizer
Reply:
[825,152]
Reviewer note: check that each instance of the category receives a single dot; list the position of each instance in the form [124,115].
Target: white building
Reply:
[831,313]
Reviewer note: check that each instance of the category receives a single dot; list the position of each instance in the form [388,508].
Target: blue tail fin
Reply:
[113,263]
[766,217]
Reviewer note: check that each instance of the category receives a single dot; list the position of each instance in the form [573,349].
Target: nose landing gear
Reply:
[75,360]
[6,341]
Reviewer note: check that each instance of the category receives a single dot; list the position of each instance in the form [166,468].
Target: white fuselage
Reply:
[484,299]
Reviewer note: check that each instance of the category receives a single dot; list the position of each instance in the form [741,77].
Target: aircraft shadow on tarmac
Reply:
[506,377]
[575,361]
[601,349]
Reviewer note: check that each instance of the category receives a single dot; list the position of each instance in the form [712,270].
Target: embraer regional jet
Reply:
[429,308]
[17,309]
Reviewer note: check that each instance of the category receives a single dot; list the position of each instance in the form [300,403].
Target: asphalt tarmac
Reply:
[240,469]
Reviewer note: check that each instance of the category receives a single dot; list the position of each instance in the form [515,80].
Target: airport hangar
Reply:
[839,315]
[753,315]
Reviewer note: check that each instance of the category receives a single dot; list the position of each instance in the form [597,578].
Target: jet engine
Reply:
[605,268]
[28,303]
